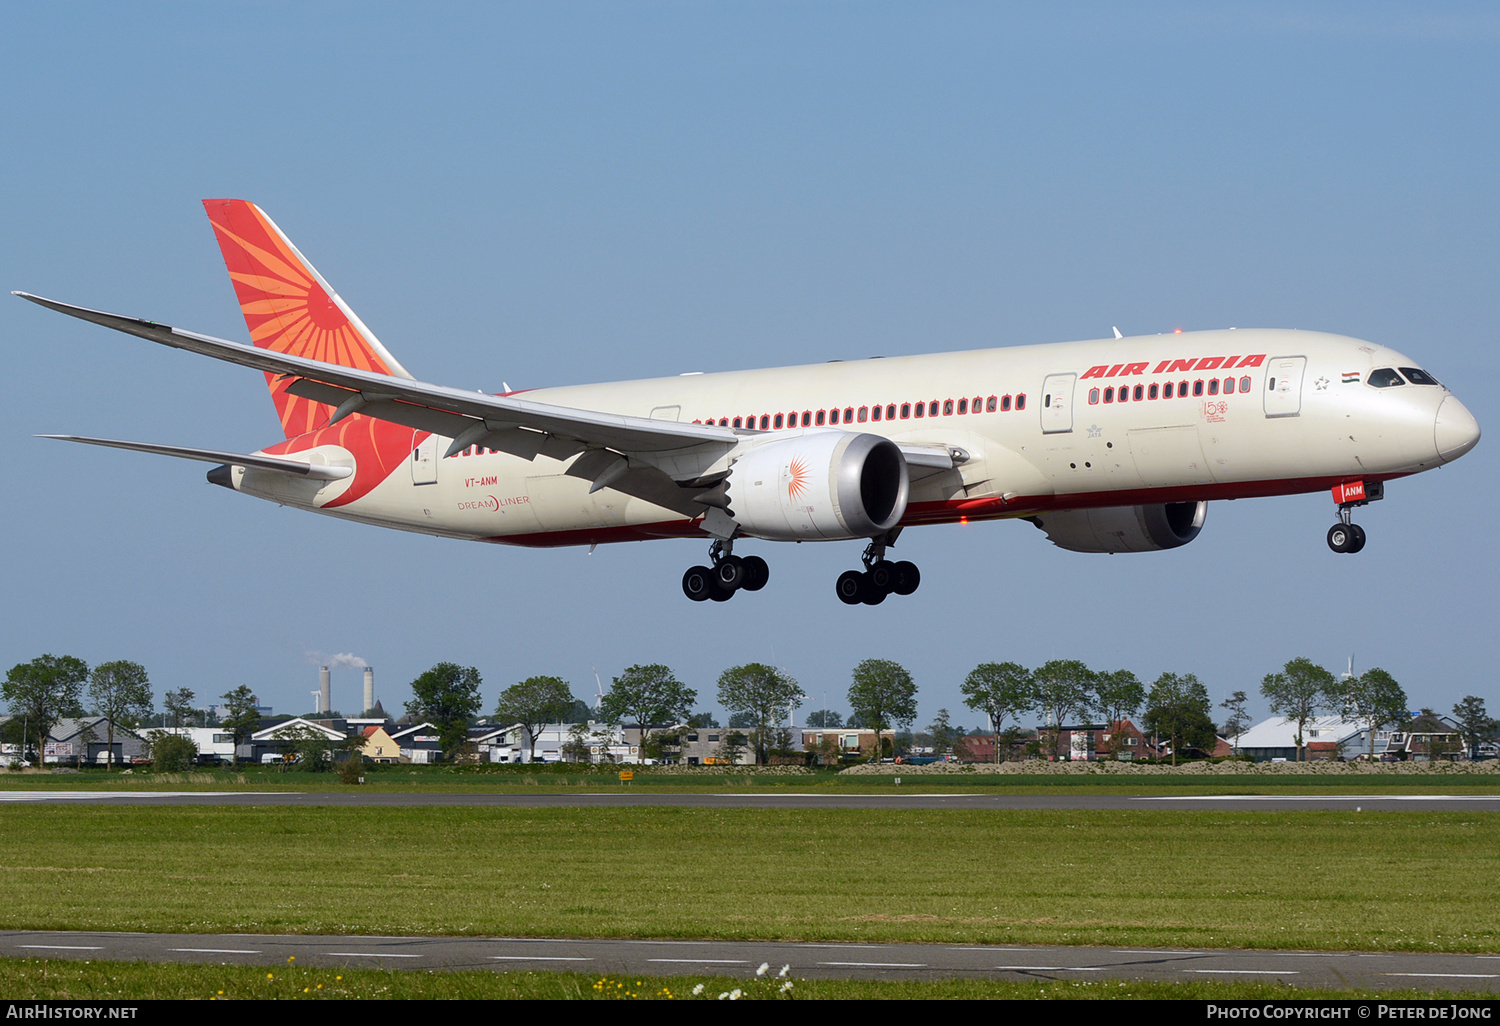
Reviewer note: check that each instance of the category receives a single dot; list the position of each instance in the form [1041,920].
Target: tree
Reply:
[447,696]
[1238,721]
[1178,708]
[121,692]
[650,695]
[1298,693]
[942,732]
[171,753]
[703,720]
[1000,691]
[576,748]
[535,702]
[179,704]
[732,745]
[1064,687]
[43,691]
[1118,695]
[825,719]
[1474,724]
[243,717]
[763,693]
[1373,699]
[882,694]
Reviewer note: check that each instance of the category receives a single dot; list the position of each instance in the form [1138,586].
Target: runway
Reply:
[741,959]
[913,799]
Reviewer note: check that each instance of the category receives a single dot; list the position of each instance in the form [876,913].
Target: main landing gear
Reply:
[879,578]
[728,574]
[1346,535]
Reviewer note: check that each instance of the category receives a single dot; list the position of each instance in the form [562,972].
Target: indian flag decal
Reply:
[1350,376]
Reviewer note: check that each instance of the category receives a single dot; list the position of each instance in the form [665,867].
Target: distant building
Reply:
[1275,740]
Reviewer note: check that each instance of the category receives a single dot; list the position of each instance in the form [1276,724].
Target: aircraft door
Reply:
[1057,403]
[424,460]
[1284,386]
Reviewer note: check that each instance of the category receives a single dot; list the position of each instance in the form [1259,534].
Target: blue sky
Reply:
[544,194]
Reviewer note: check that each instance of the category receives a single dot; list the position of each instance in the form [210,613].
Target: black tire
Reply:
[1358,541]
[1340,537]
[730,573]
[908,577]
[719,593]
[698,583]
[882,576]
[757,573]
[850,587]
[872,594]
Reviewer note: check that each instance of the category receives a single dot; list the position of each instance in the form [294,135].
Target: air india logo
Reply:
[798,475]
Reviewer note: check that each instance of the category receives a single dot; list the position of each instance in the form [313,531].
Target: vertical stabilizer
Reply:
[289,308]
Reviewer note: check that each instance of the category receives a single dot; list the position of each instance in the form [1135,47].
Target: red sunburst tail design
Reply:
[288,308]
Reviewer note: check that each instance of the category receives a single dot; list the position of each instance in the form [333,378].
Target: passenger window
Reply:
[1213,386]
[1151,393]
[989,404]
[822,416]
[1021,401]
[777,422]
[1182,389]
[848,414]
[1228,386]
[765,422]
[1245,383]
[875,413]
[948,407]
[1093,397]
[1198,388]
[921,409]
[864,414]
[1005,405]
[963,406]
[1139,391]
[906,411]
[975,407]
[890,412]
[1109,394]
[1385,377]
[738,422]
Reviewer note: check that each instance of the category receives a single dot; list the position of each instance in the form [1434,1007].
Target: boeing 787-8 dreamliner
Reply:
[1116,445]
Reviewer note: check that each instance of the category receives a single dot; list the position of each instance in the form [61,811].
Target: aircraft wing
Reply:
[238,459]
[522,427]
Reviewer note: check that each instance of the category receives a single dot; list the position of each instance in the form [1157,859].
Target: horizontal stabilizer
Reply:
[236,459]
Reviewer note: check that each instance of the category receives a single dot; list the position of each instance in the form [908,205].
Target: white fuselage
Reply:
[1297,415]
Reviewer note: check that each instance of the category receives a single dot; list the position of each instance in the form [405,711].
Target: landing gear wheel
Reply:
[906,578]
[1357,541]
[698,583]
[730,573]
[882,576]
[871,593]
[850,587]
[719,593]
[756,573]
[1340,537]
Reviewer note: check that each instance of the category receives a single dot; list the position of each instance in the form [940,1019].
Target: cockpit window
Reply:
[1419,377]
[1385,377]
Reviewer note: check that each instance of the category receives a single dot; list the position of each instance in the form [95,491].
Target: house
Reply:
[273,743]
[214,744]
[85,740]
[848,741]
[1426,736]
[1275,740]
[420,743]
[379,746]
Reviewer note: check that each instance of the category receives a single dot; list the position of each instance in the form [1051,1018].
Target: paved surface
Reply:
[1479,973]
[904,799]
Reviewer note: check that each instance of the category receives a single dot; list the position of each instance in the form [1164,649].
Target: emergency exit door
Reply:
[1284,386]
[1057,403]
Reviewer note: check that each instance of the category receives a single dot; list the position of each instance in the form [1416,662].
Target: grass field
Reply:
[126,981]
[1328,880]
[510,779]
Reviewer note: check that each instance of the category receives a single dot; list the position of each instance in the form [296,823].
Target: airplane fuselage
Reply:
[1150,419]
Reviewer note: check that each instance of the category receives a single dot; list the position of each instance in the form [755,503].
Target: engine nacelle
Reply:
[819,486]
[1124,528]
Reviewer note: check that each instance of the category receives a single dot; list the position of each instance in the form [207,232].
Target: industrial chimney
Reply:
[369,688]
[325,703]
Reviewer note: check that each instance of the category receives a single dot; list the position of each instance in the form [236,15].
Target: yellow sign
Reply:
[626,776]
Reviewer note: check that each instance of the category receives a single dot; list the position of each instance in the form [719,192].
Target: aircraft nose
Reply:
[1456,431]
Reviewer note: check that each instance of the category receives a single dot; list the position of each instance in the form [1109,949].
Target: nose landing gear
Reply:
[880,577]
[1346,535]
[727,574]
